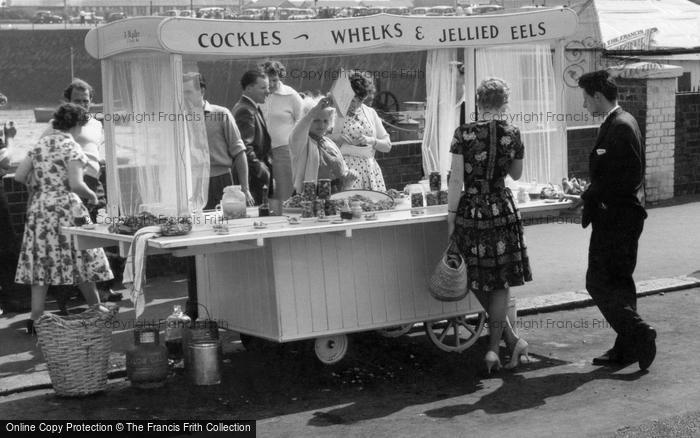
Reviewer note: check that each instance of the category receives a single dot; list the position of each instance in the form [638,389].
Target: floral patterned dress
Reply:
[48,257]
[369,173]
[488,228]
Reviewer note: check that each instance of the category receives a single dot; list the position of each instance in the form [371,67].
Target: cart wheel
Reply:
[396,331]
[331,349]
[456,334]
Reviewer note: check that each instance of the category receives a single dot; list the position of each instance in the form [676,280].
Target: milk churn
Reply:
[147,360]
[205,363]
[200,330]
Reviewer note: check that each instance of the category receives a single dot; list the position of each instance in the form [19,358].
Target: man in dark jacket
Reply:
[614,205]
[253,129]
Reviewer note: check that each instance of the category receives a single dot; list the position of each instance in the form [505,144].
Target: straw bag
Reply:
[76,348]
[449,281]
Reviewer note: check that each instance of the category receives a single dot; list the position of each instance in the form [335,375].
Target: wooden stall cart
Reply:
[314,280]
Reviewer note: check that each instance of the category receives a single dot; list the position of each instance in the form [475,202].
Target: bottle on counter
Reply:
[345,212]
[264,209]
[356,209]
[174,326]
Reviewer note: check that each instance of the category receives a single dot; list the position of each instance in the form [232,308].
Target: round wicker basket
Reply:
[76,348]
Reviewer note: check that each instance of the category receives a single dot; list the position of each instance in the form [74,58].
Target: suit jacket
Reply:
[254,134]
[617,166]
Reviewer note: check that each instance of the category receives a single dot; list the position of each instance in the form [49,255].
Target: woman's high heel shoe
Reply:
[491,359]
[520,349]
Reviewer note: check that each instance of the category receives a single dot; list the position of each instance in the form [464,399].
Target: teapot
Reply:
[233,203]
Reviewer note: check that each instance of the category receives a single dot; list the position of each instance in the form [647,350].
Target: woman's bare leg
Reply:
[89,291]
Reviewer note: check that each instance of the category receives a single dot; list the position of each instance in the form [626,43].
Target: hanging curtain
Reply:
[529,73]
[441,112]
[156,172]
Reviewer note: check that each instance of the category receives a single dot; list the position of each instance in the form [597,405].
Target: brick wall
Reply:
[579,145]
[660,138]
[687,151]
[632,97]
[402,165]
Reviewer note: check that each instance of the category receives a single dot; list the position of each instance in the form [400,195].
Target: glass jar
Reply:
[233,203]
[416,193]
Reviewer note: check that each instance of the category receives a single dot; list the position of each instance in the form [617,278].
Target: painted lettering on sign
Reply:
[239,39]
[366,33]
[376,33]
[132,36]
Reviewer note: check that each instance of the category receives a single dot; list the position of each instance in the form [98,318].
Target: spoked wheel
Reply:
[456,334]
[396,331]
[331,349]
[386,101]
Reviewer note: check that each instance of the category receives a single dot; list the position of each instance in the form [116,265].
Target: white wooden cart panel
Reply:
[306,286]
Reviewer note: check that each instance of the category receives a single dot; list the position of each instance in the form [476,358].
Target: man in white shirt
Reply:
[91,139]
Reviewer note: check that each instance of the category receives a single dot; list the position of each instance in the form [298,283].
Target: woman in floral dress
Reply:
[47,256]
[360,134]
[484,223]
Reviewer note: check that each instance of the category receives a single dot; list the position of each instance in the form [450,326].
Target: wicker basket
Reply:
[448,283]
[76,348]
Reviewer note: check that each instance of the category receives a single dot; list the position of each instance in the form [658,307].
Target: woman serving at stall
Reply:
[360,133]
[314,155]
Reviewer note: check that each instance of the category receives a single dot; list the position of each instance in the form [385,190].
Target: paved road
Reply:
[669,247]
[406,388]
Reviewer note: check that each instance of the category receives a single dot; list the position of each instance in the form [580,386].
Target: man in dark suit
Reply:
[253,129]
[614,204]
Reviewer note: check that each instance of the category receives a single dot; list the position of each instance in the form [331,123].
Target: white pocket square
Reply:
[600,151]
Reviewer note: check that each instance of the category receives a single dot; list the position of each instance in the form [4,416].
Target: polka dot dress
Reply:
[369,173]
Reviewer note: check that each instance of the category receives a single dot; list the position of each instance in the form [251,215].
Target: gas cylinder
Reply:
[147,360]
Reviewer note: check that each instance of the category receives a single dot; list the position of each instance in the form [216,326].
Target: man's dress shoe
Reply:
[612,358]
[646,347]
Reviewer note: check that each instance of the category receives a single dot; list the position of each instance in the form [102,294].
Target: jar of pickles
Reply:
[323,191]
[307,209]
[415,191]
[309,191]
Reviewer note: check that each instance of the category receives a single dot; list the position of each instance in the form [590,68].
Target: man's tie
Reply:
[262,118]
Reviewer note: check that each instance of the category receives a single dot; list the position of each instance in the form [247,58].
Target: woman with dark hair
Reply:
[47,256]
[360,134]
[483,222]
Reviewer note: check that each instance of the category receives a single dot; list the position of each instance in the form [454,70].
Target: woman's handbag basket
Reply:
[76,348]
[449,283]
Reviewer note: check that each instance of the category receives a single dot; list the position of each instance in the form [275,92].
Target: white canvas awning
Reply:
[638,24]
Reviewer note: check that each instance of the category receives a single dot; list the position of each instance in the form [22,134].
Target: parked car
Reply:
[90,18]
[303,14]
[482,9]
[443,11]
[398,11]
[186,13]
[171,13]
[43,17]
[217,13]
[251,14]
[114,16]
[358,11]
[377,10]
[419,11]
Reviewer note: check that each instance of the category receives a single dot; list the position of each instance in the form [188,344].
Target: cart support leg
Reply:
[191,305]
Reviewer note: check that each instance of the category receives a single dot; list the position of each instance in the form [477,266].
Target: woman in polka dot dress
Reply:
[360,133]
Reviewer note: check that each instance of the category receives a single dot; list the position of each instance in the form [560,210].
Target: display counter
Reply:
[322,280]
